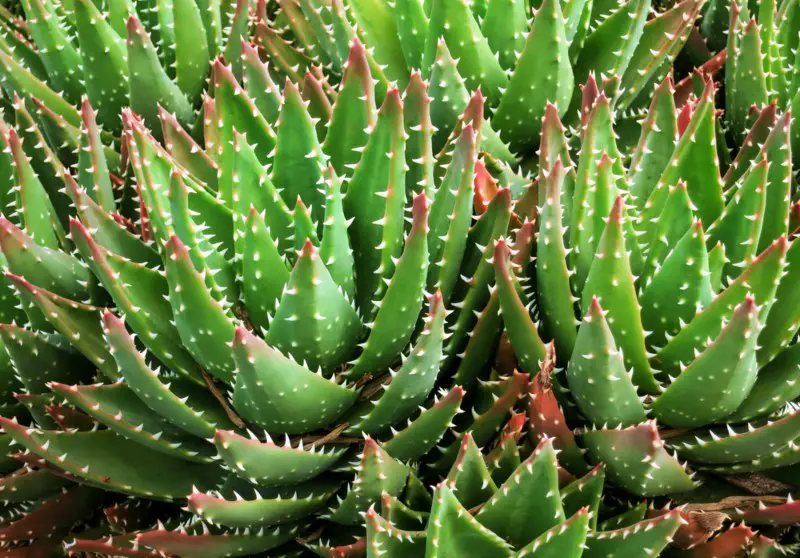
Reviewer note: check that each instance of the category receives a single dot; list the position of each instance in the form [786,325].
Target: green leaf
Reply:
[533,486]
[717,381]
[425,431]
[93,172]
[192,52]
[39,358]
[280,395]
[556,301]
[80,323]
[738,229]
[636,460]
[602,387]
[695,162]
[314,322]
[742,443]
[469,477]
[451,216]
[374,199]
[650,537]
[565,540]
[378,474]
[453,23]
[105,67]
[119,467]
[384,537]
[150,86]
[759,280]
[656,143]
[543,75]
[141,294]
[119,408]
[58,54]
[412,381]
[298,161]
[270,464]
[679,289]
[585,493]
[745,82]
[202,321]
[610,280]
[183,404]
[454,532]
[56,271]
[610,46]
[260,506]
[662,39]
[219,543]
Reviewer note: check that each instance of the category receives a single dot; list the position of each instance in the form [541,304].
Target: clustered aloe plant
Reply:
[416,278]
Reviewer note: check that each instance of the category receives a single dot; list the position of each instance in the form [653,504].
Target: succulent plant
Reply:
[125,54]
[762,67]
[299,295]
[668,292]
[519,62]
[254,290]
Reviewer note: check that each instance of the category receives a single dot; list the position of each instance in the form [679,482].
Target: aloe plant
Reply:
[520,63]
[666,288]
[298,294]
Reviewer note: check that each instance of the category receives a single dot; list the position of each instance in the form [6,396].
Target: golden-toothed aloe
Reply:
[233,320]
[665,287]
[522,55]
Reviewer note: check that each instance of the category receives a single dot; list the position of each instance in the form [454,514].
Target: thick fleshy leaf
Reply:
[202,322]
[759,280]
[454,532]
[119,466]
[610,280]
[636,460]
[39,358]
[522,331]
[183,404]
[566,540]
[743,443]
[119,408]
[555,299]
[80,323]
[533,486]
[600,384]
[454,23]
[719,379]
[399,308]
[279,394]
[679,289]
[649,537]
[425,431]
[298,161]
[271,464]
[314,322]
[543,75]
[257,507]
[204,544]
[374,199]
[469,477]
[378,474]
[150,86]
[412,381]
[104,62]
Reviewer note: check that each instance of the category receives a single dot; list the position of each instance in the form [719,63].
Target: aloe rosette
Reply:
[521,54]
[756,44]
[257,318]
[294,296]
[667,290]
